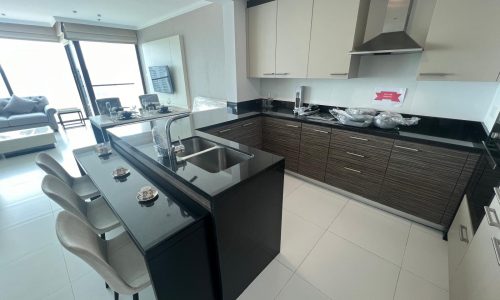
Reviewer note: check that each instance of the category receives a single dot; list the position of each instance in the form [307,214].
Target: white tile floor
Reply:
[332,247]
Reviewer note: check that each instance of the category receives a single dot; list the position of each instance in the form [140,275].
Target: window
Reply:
[114,71]
[4,91]
[39,68]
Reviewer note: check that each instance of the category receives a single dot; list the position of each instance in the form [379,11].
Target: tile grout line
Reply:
[402,262]
[64,256]
[363,248]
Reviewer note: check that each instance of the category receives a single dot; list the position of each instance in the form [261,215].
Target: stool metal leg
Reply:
[136,296]
[117,296]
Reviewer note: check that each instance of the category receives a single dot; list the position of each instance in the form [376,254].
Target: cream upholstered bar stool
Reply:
[96,214]
[83,186]
[117,260]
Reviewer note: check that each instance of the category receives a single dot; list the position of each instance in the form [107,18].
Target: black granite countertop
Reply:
[139,137]
[166,216]
[451,133]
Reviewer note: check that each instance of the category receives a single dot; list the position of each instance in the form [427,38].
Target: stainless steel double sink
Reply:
[210,156]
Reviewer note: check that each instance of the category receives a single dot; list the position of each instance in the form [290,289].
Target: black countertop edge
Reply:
[474,132]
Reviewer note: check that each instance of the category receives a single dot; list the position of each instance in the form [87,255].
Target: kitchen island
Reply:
[230,214]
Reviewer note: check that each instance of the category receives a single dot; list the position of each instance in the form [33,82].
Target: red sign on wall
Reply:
[389,97]
[386,95]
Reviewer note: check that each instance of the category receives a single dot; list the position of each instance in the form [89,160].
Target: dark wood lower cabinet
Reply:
[419,179]
[353,178]
[282,137]
[314,143]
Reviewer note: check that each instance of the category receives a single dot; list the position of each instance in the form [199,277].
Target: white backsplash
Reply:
[448,99]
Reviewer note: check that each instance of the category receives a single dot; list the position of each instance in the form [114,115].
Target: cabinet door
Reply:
[332,37]
[420,179]
[478,274]
[293,37]
[262,40]
[314,143]
[282,137]
[463,42]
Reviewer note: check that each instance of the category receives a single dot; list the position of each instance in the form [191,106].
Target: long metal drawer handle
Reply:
[268,74]
[247,124]
[224,130]
[464,237]
[338,74]
[358,138]
[353,170]
[354,154]
[492,217]
[322,131]
[294,126]
[406,148]
[282,74]
[496,247]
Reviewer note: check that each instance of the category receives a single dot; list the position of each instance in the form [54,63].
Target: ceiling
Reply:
[132,14]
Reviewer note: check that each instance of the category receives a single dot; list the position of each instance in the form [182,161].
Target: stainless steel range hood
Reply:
[393,38]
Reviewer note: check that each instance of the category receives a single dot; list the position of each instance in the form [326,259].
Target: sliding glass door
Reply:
[35,68]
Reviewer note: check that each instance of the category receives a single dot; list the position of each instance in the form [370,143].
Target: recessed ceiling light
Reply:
[3,15]
[75,11]
[99,15]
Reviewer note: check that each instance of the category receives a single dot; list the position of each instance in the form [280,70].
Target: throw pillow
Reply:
[40,103]
[18,105]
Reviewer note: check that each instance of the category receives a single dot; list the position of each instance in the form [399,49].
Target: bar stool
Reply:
[82,186]
[117,260]
[96,214]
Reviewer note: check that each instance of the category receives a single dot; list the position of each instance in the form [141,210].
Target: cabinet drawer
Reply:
[370,157]
[413,200]
[350,178]
[355,138]
[353,172]
[317,135]
[280,123]
[426,156]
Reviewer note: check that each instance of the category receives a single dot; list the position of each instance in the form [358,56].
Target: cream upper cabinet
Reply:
[293,36]
[463,42]
[334,33]
[262,40]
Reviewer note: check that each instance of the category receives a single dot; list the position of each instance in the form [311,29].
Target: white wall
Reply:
[202,31]
[167,52]
[239,86]
[459,100]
